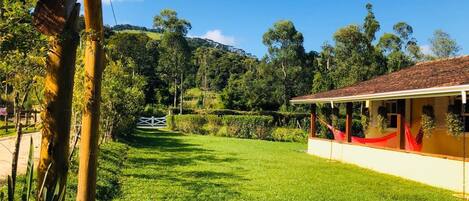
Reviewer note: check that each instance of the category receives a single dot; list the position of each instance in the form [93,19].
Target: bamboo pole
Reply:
[53,162]
[94,66]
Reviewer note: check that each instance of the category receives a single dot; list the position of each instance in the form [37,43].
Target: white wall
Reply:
[434,171]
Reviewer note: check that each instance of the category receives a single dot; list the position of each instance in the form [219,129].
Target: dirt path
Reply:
[7,145]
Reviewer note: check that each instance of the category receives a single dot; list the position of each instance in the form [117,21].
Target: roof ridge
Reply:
[438,60]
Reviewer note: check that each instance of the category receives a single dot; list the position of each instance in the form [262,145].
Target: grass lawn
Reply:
[170,166]
[12,130]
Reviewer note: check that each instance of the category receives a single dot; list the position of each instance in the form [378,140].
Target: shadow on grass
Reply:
[167,158]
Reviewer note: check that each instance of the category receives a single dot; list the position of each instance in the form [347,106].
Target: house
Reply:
[398,100]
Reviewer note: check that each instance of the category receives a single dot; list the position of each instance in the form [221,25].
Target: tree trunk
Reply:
[285,85]
[53,162]
[14,162]
[6,108]
[94,66]
[175,93]
[182,94]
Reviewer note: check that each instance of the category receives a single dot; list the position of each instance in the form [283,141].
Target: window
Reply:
[391,108]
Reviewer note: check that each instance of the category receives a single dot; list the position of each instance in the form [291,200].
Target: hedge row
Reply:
[280,119]
[239,126]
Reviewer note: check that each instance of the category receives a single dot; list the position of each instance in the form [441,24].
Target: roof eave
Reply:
[406,94]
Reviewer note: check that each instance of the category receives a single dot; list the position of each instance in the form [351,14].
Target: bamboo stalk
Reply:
[94,66]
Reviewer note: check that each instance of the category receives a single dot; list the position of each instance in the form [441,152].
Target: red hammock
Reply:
[411,144]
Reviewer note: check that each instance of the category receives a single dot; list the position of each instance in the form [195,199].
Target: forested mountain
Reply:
[194,42]
[228,77]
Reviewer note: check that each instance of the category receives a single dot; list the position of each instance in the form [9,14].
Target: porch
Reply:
[406,146]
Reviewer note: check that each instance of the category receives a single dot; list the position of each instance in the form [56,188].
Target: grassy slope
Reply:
[152,35]
[169,166]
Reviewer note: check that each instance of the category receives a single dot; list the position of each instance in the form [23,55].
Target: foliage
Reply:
[442,45]
[365,120]
[189,123]
[122,96]
[168,21]
[240,126]
[427,120]
[253,127]
[289,135]
[287,54]
[454,122]
[382,119]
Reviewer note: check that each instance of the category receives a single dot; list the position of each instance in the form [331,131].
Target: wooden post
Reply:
[312,127]
[400,123]
[348,122]
[94,66]
[6,122]
[53,162]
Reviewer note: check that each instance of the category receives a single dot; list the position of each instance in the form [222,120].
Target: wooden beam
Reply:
[401,123]
[94,67]
[348,122]
[312,127]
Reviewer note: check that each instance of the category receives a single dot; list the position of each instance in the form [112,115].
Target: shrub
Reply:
[154,110]
[213,124]
[255,127]
[289,135]
[189,123]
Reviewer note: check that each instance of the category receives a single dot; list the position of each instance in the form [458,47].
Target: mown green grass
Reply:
[170,166]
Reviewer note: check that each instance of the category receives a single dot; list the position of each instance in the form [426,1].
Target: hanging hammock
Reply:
[340,136]
[411,144]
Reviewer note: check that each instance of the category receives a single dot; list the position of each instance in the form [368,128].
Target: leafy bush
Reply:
[255,127]
[213,124]
[154,110]
[289,135]
[240,126]
[427,120]
[189,123]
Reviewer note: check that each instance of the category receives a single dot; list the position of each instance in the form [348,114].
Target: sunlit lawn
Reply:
[169,166]
[12,131]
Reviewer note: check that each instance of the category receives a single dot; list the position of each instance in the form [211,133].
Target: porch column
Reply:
[400,123]
[348,122]
[312,127]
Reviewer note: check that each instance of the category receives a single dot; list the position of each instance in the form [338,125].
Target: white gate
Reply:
[151,122]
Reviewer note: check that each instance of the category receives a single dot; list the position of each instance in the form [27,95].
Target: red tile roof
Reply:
[439,73]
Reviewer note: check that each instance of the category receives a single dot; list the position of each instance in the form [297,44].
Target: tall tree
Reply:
[286,52]
[174,49]
[405,32]
[442,45]
[371,25]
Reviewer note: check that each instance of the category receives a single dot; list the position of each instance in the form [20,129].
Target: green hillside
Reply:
[152,35]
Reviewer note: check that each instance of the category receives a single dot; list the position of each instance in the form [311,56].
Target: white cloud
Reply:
[426,49]
[217,36]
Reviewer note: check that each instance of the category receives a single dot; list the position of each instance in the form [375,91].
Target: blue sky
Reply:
[241,23]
